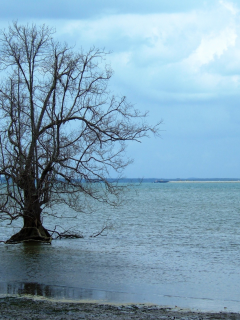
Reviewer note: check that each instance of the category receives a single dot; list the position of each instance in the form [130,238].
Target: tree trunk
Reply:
[31,233]
[33,229]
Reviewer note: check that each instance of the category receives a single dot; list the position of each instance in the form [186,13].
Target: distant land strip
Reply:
[178,180]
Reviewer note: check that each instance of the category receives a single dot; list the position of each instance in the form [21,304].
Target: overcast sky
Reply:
[178,59]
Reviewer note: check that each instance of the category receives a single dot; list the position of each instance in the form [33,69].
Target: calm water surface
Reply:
[175,244]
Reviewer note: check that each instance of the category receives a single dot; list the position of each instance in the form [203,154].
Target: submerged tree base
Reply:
[27,234]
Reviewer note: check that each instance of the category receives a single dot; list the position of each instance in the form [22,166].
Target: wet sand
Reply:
[22,308]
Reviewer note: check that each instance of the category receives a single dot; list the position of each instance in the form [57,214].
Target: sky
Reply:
[180,60]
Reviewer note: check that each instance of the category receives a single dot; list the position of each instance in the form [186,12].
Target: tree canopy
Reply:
[61,128]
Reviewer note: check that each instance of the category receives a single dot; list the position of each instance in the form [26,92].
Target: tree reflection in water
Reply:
[50,291]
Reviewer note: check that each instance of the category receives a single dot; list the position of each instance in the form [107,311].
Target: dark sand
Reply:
[22,308]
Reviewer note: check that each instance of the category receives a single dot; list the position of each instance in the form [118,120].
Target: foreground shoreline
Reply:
[27,308]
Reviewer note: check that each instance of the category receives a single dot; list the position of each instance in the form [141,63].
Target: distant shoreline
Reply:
[192,180]
[204,181]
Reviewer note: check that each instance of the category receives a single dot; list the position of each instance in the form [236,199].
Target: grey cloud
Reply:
[80,9]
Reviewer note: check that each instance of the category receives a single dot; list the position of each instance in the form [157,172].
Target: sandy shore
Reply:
[21,308]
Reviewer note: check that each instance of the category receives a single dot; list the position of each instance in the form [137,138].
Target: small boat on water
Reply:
[161,181]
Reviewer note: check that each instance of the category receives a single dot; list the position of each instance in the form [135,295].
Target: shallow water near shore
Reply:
[169,244]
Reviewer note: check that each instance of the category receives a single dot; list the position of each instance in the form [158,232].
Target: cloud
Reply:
[81,9]
[162,53]
[213,46]
[229,6]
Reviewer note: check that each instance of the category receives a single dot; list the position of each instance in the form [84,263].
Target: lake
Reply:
[174,244]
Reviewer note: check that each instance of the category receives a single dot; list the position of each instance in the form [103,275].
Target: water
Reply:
[175,244]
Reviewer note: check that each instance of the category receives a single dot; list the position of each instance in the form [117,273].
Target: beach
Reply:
[25,309]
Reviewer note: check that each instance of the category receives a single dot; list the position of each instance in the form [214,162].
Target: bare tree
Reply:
[61,129]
